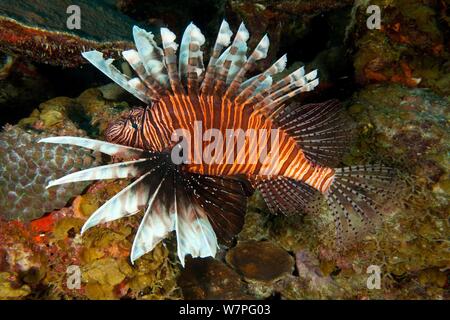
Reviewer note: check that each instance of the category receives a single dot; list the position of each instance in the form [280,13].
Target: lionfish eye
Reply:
[134,125]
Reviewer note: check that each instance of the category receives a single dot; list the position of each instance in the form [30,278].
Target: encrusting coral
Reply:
[38,31]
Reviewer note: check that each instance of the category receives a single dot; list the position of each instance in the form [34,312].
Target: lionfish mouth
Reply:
[204,208]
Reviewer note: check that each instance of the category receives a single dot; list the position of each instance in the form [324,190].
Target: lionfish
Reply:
[204,202]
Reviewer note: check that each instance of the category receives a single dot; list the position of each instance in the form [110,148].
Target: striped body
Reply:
[152,129]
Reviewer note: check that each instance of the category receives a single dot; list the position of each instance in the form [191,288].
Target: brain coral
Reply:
[27,166]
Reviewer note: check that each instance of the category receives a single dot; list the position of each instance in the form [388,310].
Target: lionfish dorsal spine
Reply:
[259,53]
[158,70]
[222,41]
[250,87]
[231,60]
[151,56]
[133,59]
[133,86]
[170,60]
[190,65]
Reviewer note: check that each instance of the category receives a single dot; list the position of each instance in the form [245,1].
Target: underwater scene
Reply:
[225,150]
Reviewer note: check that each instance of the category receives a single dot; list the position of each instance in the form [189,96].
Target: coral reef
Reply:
[37,30]
[395,124]
[36,258]
[21,261]
[26,168]
[211,279]
[410,48]
[90,112]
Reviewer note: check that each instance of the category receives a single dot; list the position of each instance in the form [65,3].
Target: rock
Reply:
[312,282]
[261,264]
[210,279]
[260,261]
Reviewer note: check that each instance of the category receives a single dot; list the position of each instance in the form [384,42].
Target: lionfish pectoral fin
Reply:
[224,200]
[358,197]
[108,148]
[195,235]
[200,209]
[128,169]
[126,202]
[286,195]
[157,222]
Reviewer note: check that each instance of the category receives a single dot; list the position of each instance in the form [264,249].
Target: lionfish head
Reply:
[127,128]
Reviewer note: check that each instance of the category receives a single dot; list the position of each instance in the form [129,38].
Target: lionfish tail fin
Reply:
[359,197]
